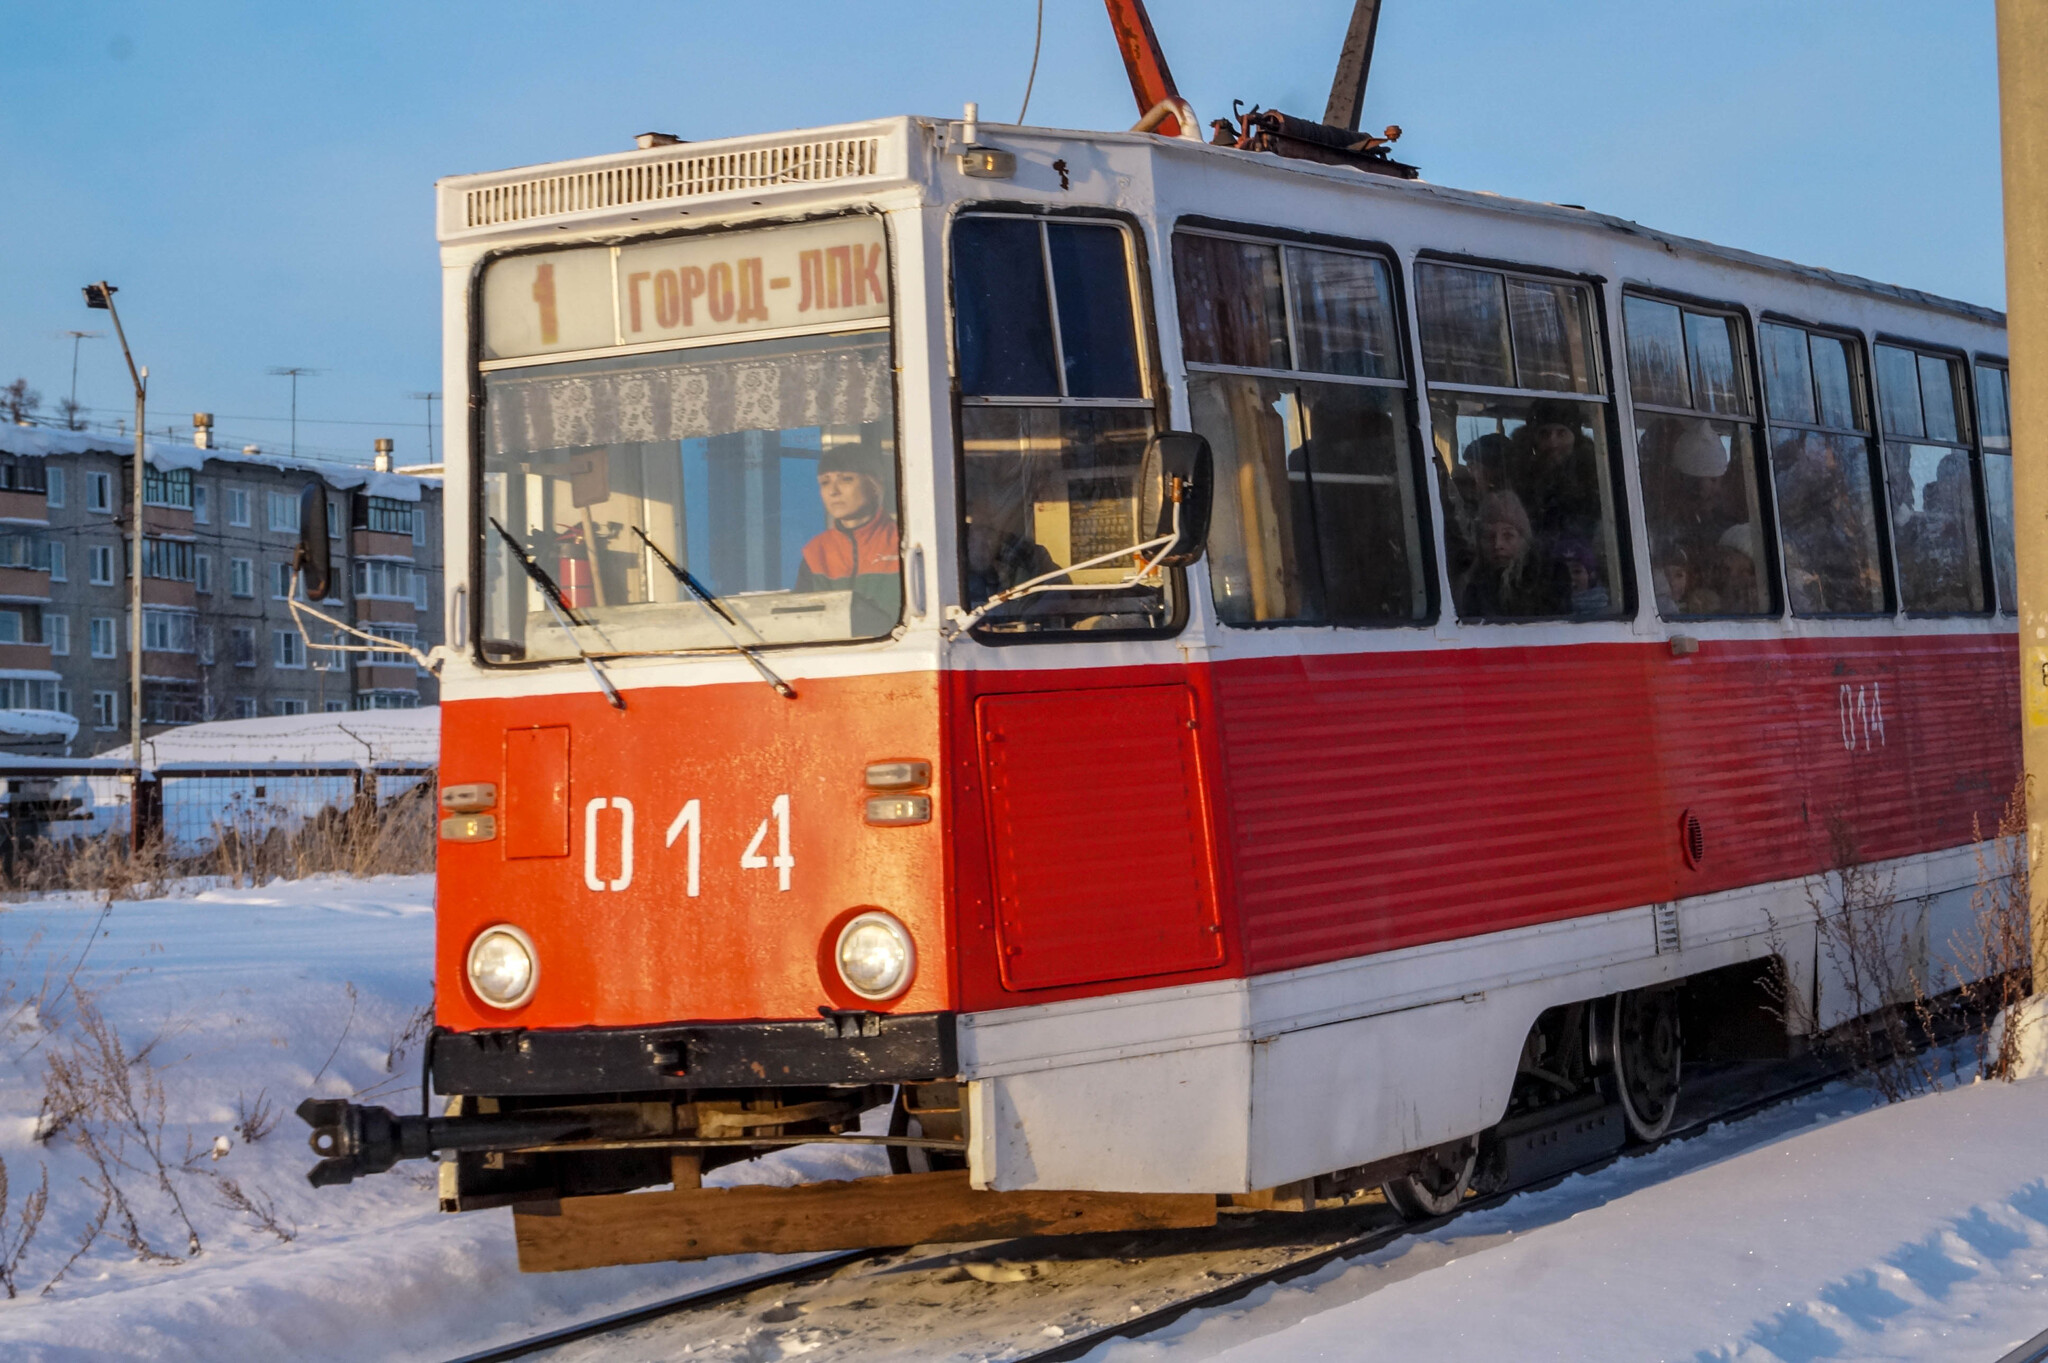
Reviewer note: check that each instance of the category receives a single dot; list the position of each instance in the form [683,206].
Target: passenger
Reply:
[998,560]
[1739,576]
[860,548]
[1934,542]
[1481,469]
[1555,469]
[1508,579]
[1679,591]
[1583,578]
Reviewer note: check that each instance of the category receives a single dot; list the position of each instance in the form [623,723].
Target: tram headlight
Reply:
[503,967]
[875,956]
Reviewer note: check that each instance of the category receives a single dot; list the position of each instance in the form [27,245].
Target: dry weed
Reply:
[26,1220]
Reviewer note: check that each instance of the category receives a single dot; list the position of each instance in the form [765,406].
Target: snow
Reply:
[1832,1227]
[43,441]
[250,990]
[408,737]
[19,724]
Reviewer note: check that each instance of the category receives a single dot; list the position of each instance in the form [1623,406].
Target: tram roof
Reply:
[785,169]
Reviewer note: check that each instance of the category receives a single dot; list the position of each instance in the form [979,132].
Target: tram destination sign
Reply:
[685,288]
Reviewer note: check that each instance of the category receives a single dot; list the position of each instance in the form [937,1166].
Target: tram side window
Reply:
[1994,409]
[1054,420]
[1696,443]
[1932,488]
[1821,469]
[1519,414]
[1315,517]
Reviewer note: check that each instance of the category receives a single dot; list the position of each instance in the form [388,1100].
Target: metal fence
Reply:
[190,808]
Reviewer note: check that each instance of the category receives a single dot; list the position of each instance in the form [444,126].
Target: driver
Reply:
[860,548]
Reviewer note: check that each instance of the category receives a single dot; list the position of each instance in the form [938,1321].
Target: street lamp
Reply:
[101,296]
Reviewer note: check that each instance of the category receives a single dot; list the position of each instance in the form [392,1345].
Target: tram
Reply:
[1182,675]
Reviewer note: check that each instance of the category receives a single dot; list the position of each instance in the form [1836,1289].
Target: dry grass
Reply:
[260,843]
[1899,1004]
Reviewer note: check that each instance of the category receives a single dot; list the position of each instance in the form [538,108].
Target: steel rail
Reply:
[1076,1346]
[705,1297]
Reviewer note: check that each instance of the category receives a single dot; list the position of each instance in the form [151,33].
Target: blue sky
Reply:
[257,177]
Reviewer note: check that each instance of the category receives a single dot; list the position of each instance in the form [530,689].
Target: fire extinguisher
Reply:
[573,569]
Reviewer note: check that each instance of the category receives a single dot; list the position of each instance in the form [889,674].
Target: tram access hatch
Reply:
[1096,833]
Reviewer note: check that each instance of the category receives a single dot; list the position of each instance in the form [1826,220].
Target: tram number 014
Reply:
[689,826]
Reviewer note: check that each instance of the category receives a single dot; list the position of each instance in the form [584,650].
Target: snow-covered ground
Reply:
[1833,1227]
[293,989]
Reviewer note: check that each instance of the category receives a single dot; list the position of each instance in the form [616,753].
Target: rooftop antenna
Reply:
[294,371]
[71,407]
[1354,64]
[428,398]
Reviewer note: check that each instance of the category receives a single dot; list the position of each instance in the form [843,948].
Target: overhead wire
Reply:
[1032,79]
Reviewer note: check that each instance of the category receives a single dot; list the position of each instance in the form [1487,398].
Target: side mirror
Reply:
[1176,474]
[313,558]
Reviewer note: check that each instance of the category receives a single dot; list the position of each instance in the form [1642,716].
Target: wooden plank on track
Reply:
[900,1209]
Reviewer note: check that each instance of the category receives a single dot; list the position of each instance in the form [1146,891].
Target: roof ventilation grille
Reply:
[680,177]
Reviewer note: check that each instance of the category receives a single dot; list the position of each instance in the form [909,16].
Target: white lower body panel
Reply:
[1244,1084]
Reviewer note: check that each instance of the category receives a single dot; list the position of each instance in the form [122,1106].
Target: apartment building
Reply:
[219,639]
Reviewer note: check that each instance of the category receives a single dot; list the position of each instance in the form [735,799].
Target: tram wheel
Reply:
[1643,1057]
[1437,1185]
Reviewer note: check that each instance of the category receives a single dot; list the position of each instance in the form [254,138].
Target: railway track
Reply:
[888,1304]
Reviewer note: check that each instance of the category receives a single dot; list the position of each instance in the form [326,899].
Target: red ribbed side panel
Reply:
[1380,800]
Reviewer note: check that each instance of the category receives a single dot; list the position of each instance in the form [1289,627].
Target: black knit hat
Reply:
[854,459]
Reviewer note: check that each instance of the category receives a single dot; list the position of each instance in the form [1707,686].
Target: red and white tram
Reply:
[826,728]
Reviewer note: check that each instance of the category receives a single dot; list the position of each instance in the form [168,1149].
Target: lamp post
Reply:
[101,295]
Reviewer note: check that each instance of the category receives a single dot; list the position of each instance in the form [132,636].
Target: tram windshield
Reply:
[763,470]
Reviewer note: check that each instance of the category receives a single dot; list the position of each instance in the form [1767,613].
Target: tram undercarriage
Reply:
[1592,1076]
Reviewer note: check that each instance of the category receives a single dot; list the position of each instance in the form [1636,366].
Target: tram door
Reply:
[1102,867]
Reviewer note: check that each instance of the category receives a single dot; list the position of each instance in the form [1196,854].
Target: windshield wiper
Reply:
[562,611]
[720,616]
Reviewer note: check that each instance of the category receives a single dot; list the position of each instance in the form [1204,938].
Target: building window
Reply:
[99,492]
[1697,443]
[238,505]
[398,634]
[1519,409]
[105,635]
[100,564]
[55,478]
[388,515]
[64,699]
[58,571]
[167,560]
[22,693]
[205,636]
[245,707]
[169,631]
[57,633]
[387,700]
[288,649]
[24,549]
[10,627]
[242,577]
[1301,392]
[166,487]
[280,581]
[201,513]
[284,512]
[383,579]
[242,644]
[106,709]
[419,524]
[288,707]
[202,572]
[1822,460]
[333,519]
